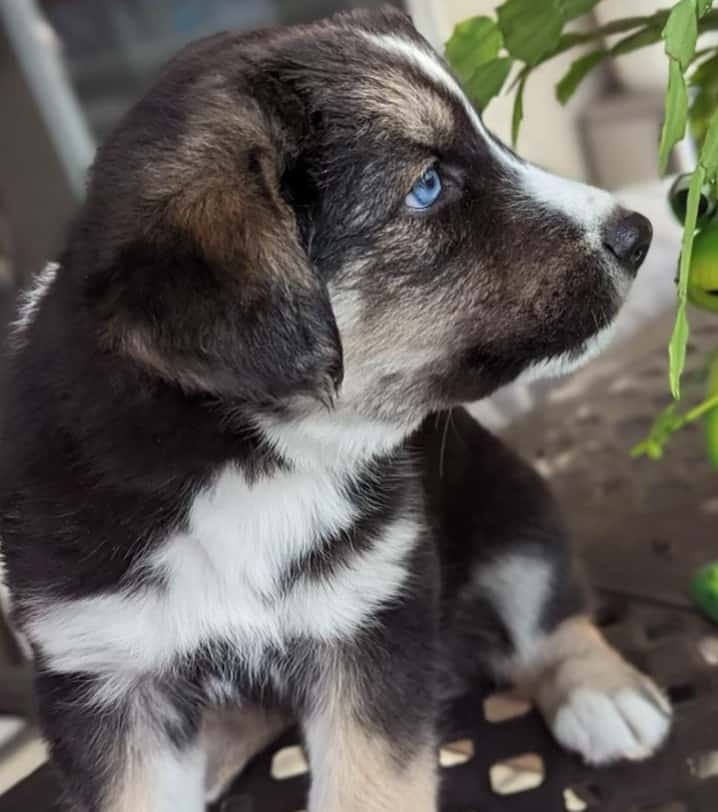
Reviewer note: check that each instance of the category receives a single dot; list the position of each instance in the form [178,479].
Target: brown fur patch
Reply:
[356,769]
[359,774]
[215,258]
[406,107]
[220,184]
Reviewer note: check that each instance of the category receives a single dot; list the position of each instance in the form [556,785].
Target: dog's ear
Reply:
[209,285]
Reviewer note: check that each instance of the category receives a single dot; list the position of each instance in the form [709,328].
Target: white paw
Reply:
[631,723]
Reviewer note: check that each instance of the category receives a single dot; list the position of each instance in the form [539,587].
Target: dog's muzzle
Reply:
[628,238]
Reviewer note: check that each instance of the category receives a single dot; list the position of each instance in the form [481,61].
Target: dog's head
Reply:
[297,212]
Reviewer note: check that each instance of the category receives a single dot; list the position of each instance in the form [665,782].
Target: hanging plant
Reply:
[486,52]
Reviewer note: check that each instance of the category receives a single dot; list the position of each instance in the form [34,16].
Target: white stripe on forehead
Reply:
[585,205]
[425,60]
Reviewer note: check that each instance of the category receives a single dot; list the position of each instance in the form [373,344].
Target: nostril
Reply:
[639,255]
[628,239]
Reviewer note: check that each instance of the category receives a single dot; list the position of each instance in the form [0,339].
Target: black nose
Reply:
[628,238]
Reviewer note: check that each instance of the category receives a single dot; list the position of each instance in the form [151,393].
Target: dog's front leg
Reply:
[370,726]
[129,750]
[358,767]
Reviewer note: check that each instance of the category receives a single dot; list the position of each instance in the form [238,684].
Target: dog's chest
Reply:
[231,564]
[244,537]
[237,572]
[233,575]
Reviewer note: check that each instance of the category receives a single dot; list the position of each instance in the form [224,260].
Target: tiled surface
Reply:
[497,757]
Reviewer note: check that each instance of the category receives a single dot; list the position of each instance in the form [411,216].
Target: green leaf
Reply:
[640,39]
[571,9]
[679,338]
[698,179]
[474,42]
[582,66]
[531,30]
[677,349]
[704,105]
[665,424]
[487,80]
[571,39]
[648,448]
[674,123]
[681,32]
[708,157]
[518,114]
[629,23]
[667,421]
[576,73]
[520,76]
[655,451]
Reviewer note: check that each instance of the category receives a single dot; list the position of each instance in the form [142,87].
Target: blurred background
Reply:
[70,68]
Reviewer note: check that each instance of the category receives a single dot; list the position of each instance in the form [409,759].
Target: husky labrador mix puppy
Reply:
[227,495]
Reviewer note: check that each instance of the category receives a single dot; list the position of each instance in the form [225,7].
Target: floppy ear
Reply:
[213,289]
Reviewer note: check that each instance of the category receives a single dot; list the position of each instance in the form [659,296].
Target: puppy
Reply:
[236,485]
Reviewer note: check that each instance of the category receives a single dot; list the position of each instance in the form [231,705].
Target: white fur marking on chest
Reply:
[223,577]
[337,440]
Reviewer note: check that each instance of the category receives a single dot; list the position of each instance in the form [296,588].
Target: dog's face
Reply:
[296,210]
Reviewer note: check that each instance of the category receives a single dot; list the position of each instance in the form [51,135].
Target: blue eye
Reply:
[425,191]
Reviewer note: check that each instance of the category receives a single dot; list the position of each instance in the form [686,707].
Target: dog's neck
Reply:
[333,439]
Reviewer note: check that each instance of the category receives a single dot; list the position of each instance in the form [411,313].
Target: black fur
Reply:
[195,303]
[380,493]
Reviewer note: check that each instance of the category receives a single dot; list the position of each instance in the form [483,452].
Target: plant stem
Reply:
[698,411]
